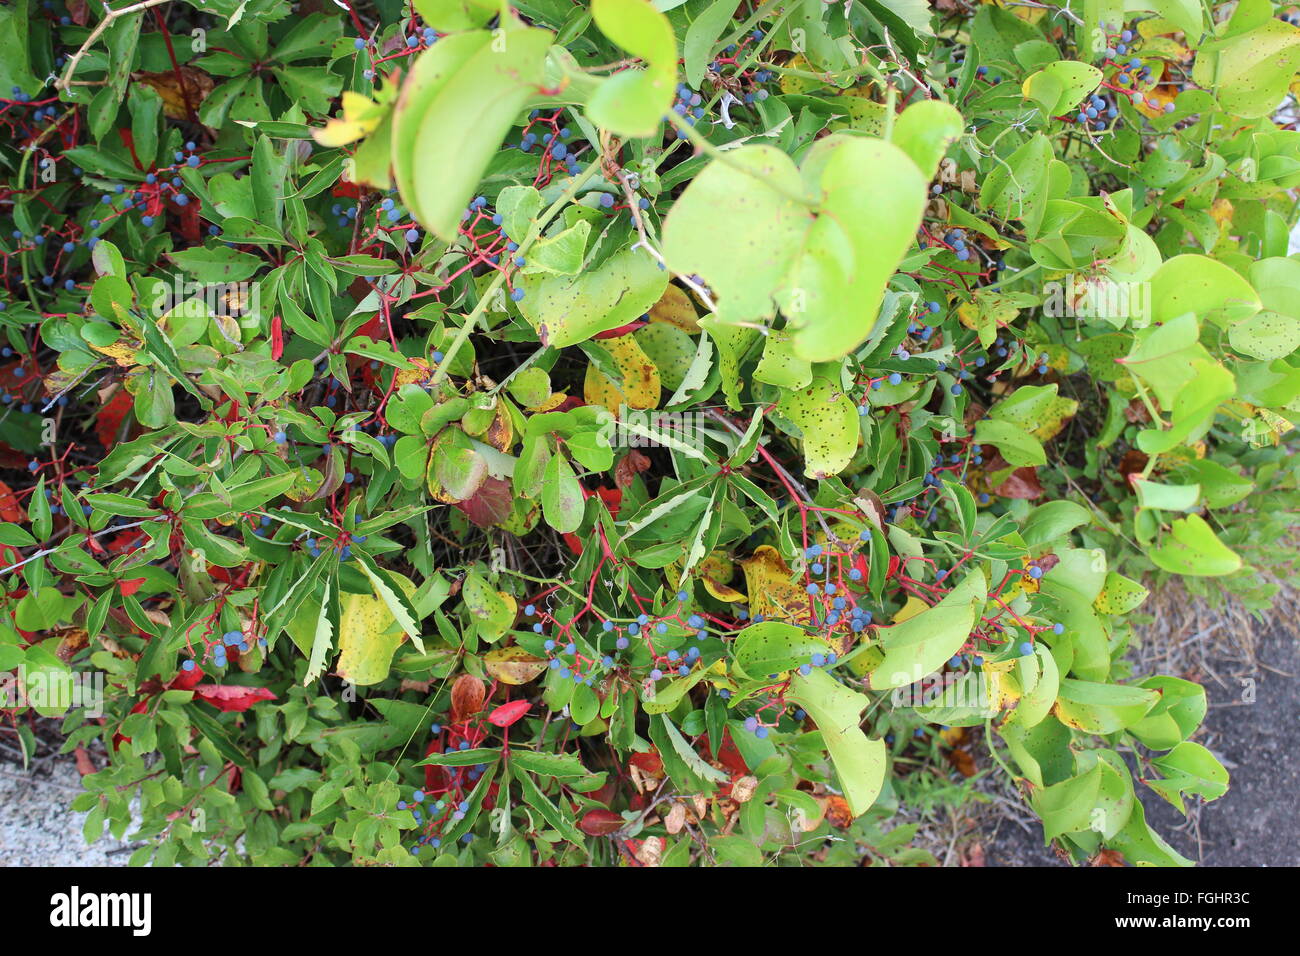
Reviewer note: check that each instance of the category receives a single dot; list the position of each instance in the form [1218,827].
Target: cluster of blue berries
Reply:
[1132,72]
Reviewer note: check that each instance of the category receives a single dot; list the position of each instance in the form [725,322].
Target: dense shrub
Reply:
[634,432]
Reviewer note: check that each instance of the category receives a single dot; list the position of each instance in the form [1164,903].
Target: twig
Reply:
[104,24]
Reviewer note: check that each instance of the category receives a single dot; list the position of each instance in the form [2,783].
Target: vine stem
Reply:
[534,233]
[95,34]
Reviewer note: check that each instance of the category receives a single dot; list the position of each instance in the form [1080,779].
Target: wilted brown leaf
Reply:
[743,789]
[467,696]
[182,91]
[628,467]
[838,813]
[651,851]
[962,761]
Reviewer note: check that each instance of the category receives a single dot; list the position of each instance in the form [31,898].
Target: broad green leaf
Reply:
[1250,72]
[455,110]
[702,36]
[1175,717]
[828,422]
[633,101]
[1017,188]
[1204,287]
[1017,446]
[925,130]
[771,647]
[1058,87]
[744,255]
[1189,768]
[1098,708]
[1192,548]
[1119,595]
[832,295]
[562,503]
[566,310]
[921,644]
[860,762]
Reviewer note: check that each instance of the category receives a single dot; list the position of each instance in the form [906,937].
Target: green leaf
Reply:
[1165,497]
[921,644]
[771,647]
[562,502]
[925,130]
[744,255]
[398,604]
[1192,548]
[1119,595]
[456,106]
[1058,87]
[1204,287]
[1017,446]
[633,101]
[548,764]
[860,762]
[1102,708]
[702,36]
[828,422]
[1017,188]
[322,641]
[1175,717]
[1250,72]
[566,310]
[1189,768]
[451,16]
[518,207]
[864,227]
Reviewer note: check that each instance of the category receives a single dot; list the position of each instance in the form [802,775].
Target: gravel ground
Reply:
[36,826]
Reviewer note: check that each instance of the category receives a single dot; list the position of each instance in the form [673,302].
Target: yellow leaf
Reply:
[723,592]
[420,372]
[182,91]
[675,308]
[360,117]
[912,608]
[512,665]
[777,598]
[640,378]
[369,635]
[119,352]
[556,399]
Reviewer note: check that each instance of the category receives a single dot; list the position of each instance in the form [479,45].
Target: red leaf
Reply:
[109,422]
[601,822]
[647,762]
[186,679]
[621,330]
[628,467]
[1021,483]
[277,338]
[436,779]
[229,697]
[9,508]
[490,504]
[130,586]
[507,714]
[84,764]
